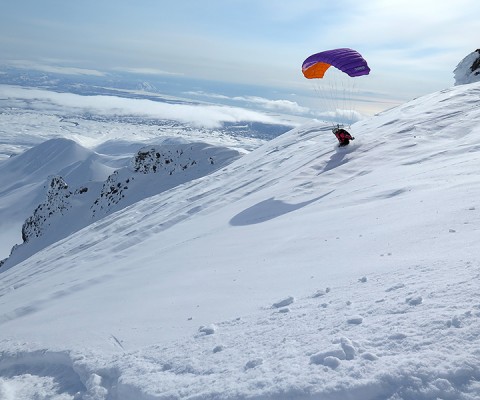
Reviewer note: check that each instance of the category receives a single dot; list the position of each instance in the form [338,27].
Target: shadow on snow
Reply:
[267,210]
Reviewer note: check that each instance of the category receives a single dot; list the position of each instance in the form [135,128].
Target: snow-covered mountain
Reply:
[23,179]
[68,208]
[298,271]
[468,70]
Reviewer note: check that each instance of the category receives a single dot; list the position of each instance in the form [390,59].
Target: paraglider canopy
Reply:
[346,60]
[337,87]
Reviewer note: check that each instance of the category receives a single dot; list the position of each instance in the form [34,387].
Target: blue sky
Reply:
[412,46]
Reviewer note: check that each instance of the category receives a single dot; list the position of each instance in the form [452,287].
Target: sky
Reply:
[412,47]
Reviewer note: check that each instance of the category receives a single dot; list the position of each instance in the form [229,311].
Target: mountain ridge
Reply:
[66,210]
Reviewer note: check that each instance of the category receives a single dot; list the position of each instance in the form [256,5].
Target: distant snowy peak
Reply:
[147,87]
[59,156]
[468,70]
[45,158]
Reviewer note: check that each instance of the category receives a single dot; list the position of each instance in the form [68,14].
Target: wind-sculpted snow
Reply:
[297,350]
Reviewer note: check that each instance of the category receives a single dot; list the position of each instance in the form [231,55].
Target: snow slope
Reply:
[299,271]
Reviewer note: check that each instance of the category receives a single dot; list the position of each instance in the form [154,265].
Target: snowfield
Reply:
[298,271]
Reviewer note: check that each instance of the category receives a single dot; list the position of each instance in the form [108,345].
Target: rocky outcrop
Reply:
[158,168]
[468,70]
[57,203]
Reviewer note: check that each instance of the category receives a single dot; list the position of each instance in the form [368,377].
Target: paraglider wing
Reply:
[346,60]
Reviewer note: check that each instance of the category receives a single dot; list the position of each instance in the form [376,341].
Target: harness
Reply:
[342,135]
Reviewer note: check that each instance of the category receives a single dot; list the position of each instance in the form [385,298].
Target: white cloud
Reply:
[267,104]
[406,33]
[278,105]
[54,68]
[349,116]
[146,71]
[206,94]
[209,116]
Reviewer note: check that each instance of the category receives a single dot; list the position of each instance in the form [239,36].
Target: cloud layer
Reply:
[208,116]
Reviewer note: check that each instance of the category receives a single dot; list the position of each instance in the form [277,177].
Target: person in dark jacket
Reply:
[343,136]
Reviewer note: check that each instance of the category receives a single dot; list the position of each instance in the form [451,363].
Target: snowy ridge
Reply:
[154,169]
[167,166]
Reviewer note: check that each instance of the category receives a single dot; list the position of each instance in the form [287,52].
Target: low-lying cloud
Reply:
[208,116]
[267,104]
[55,69]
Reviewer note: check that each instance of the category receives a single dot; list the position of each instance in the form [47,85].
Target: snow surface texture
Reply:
[468,70]
[299,271]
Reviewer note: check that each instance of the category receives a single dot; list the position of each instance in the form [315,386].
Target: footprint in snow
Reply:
[253,363]
[283,303]
[369,356]
[455,322]
[219,348]
[348,348]
[395,287]
[332,358]
[207,330]
[355,320]
[319,293]
[326,356]
[414,301]
[397,336]
[332,362]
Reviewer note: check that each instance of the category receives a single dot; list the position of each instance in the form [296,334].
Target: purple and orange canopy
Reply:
[346,60]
